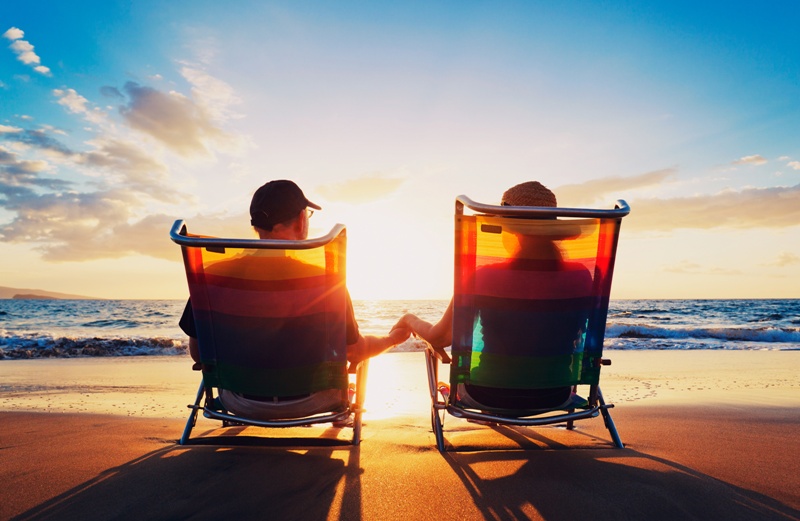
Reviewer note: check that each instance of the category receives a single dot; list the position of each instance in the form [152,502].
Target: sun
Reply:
[386,262]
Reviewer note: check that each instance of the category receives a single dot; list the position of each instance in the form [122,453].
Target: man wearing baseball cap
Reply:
[280,211]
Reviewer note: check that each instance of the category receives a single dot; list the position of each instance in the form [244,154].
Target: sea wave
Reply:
[113,324]
[16,347]
[765,334]
[34,345]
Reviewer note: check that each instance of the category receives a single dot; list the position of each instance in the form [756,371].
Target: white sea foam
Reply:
[761,334]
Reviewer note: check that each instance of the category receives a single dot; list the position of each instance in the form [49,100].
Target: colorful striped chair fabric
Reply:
[270,319]
[531,296]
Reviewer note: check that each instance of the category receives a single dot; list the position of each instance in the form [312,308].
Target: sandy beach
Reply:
[708,434]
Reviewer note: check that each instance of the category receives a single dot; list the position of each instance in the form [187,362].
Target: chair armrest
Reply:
[439,353]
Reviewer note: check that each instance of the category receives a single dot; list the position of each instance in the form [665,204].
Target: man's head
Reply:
[531,193]
[278,203]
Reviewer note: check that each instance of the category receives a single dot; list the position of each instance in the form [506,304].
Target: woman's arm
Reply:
[437,335]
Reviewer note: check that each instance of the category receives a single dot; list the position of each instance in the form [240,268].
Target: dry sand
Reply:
[709,435]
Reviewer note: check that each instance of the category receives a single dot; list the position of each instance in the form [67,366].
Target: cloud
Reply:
[131,167]
[14,34]
[794,165]
[751,160]
[785,259]
[137,237]
[103,210]
[66,222]
[212,94]
[111,92]
[25,51]
[361,190]
[65,218]
[589,192]
[40,140]
[686,267]
[70,99]
[21,179]
[172,118]
[77,104]
[777,207]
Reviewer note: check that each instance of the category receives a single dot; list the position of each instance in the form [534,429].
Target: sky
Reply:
[118,117]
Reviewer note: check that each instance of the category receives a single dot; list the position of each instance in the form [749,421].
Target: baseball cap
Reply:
[277,202]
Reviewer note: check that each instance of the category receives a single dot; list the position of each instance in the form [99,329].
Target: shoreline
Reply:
[110,385]
[708,435]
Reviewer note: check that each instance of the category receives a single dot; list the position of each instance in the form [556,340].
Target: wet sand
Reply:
[709,435]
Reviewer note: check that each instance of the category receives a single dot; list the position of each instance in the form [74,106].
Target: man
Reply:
[280,211]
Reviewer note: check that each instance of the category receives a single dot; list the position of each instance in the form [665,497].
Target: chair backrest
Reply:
[531,294]
[270,315]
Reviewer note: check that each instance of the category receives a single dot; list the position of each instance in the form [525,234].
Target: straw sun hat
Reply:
[531,193]
[534,193]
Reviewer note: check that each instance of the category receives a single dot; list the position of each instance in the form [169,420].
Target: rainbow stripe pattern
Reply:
[270,322]
[531,299]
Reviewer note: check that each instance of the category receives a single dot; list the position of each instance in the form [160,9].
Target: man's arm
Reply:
[370,345]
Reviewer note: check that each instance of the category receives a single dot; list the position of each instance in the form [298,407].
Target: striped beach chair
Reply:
[270,320]
[530,302]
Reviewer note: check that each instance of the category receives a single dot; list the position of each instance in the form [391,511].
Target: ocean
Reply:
[76,328]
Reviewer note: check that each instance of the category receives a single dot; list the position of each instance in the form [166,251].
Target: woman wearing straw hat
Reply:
[440,334]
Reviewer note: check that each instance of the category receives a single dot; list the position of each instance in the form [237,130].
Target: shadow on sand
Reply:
[565,483]
[223,477]
[503,473]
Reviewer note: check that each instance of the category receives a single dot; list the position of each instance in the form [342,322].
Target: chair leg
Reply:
[432,364]
[612,429]
[570,423]
[437,426]
[361,393]
[190,423]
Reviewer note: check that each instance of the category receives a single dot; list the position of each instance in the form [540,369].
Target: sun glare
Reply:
[385,261]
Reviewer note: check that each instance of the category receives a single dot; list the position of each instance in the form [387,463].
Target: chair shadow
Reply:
[227,477]
[611,484]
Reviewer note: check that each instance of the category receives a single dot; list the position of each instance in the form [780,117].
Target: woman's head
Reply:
[530,193]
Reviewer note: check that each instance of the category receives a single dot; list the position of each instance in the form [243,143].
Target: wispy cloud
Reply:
[65,220]
[111,92]
[777,207]
[171,118]
[25,51]
[361,190]
[751,160]
[686,267]
[794,165]
[785,259]
[21,179]
[77,104]
[601,189]
[215,96]
[38,139]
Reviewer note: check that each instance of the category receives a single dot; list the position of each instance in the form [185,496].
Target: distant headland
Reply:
[38,294]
